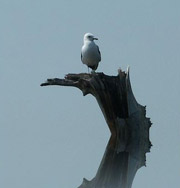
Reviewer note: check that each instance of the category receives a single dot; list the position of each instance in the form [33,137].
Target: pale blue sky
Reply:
[48,137]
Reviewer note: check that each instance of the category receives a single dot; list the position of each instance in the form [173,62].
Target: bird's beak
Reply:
[95,38]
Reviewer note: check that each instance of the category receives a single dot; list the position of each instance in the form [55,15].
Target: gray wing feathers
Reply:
[99,52]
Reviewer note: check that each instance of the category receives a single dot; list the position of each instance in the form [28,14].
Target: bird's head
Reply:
[89,37]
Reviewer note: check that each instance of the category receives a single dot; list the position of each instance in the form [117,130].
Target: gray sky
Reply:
[48,137]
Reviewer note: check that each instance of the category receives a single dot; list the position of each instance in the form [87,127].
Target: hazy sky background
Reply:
[52,137]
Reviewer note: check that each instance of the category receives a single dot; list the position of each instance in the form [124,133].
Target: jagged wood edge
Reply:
[80,81]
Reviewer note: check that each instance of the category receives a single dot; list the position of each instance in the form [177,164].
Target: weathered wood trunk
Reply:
[129,141]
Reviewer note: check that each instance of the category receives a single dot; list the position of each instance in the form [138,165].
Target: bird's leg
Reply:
[88,70]
[93,72]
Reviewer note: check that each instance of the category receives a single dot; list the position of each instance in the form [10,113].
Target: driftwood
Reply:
[127,121]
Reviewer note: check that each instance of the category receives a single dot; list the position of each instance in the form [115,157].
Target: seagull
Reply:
[90,54]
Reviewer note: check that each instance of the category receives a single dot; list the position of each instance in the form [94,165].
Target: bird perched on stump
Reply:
[90,54]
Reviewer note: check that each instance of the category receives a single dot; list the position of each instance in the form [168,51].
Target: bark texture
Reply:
[127,121]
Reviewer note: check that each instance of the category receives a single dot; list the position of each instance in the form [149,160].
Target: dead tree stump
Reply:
[127,121]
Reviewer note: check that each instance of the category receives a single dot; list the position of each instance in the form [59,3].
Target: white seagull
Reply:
[90,54]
